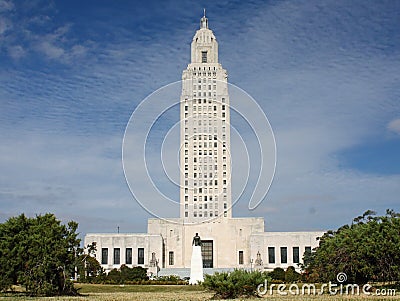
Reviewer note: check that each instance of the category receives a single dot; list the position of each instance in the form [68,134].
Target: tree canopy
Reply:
[366,250]
[38,253]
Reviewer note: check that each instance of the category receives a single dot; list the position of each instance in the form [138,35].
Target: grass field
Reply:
[93,292]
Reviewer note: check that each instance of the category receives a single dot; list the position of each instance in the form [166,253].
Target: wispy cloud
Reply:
[6,6]
[394,126]
[16,52]
[5,25]
[325,74]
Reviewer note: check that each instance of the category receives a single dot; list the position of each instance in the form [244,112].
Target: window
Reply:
[117,256]
[240,257]
[207,253]
[271,254]
[307,251]
[204,56]
[104,256]
[283,254]
[296,255]
[140,255]
[171,258]
[128,256]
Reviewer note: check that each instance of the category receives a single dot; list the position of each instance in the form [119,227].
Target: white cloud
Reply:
[50,50]
[394,126]
[6,6]
[321,99]
[66,175]
[16,52]
[5,25]
[78,50]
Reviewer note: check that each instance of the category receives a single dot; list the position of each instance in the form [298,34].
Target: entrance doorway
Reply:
[207,253]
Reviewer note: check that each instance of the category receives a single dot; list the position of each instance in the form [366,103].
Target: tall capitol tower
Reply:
[205,192]
[205,158]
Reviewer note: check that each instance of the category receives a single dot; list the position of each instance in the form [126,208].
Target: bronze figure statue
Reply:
[196,240]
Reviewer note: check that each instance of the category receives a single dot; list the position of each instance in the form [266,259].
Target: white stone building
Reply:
[205,193]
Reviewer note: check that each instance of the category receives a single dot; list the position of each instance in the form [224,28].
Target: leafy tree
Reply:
[366,250]
[38,253]
[239,283]
[88,268]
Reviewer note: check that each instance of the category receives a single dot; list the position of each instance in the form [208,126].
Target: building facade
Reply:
[205,191]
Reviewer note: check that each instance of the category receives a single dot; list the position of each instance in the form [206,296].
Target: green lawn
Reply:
[98,292]
[102,288]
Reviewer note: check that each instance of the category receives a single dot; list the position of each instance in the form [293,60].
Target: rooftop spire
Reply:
[204,21]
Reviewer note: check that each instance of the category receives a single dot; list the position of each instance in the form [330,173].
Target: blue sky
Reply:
[326,73]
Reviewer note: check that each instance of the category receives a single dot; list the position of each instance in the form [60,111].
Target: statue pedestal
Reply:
[196,266]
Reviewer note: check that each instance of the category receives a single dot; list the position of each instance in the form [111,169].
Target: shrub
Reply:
[239,283]
[126,275]
[278,274]
[291,275]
